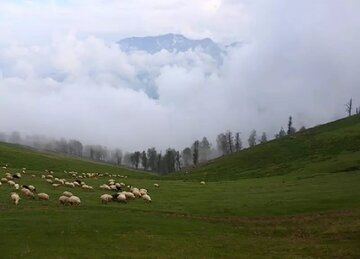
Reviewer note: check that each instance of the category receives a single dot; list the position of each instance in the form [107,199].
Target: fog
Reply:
[63,75]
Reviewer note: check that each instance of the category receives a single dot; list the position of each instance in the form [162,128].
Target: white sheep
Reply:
[74,200]
[121,197]
[4,180]
[70,184]
[15,198]
[64,200]
[67,194]
[32,188]
[146,198]
[49,181]
[136,192]
[16,186]
[129,195]
[27,193]
[156,185]
[143,192]
[43,196]
[11,183]
[105,198]
[55,185]
[202,182]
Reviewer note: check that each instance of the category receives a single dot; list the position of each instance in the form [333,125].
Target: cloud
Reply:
[300,59]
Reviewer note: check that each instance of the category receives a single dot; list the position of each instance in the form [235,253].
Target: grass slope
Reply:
[308,212]
[333,147]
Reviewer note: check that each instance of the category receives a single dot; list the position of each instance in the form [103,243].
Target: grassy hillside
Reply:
[16,156]
[308,208]
[333,147]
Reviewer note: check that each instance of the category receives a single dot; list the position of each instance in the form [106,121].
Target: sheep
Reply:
[49,181]
[33,175]
[202,182]
[129,195]
[16,186]
[4,180]
[105,198]
[87,187]
[156,185]
[55,185]
[15,198]
[105,187]
[11,183]
[8,176]
[121,197]
[43,196]
[70,184]
[27,193]
[146,198]
[43,176]
[64,200]
[136,192]
[143,192]
[74,200]
[76,183]
[32,188]
[0,183]
[67,194]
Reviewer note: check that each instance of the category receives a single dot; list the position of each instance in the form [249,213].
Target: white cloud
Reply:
[67,78]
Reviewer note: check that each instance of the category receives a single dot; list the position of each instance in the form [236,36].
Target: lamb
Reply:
[105,198]
[43,196]
[67,194]
[15,198]
[64,200]
[146,198]
[74,200]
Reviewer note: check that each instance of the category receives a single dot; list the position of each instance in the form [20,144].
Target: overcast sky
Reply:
[62,75]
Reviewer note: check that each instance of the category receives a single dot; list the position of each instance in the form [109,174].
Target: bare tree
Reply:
[195,149]
[204,149]
[178,160]
[230,141]
[144,160]
[348,107]
[152,157]
[222,143]
[186,156]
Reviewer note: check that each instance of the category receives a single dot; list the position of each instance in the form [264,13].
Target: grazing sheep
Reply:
[11,183]
[129,195]
[121,197]
[32,188]
[15,198]
[143,192]
[105,198]
[70,184]
[74,200]
[33,175]
[55,185]
[202,182]
[43,176]
[0,183]
[27,193]
[16,186]
[105,187]
[9,177]
[146,198]
[136,192]
[43,196]
[64,200]
[67,194]
[4,180]
[156,185]
[49,181]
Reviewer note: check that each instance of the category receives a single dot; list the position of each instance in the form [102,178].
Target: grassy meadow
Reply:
[289,198]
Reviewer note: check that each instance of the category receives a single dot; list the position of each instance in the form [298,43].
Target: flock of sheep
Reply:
[119,192]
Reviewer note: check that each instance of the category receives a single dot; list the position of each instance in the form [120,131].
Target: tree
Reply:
[195,149]
[152,157]
[186,156]
[238,142]
[252,138]
[178,160]
[204,149]
[75,148]
[159,163]
[118,156]
[169,160]
[135,159]
[281,133]
[144,160]
[302,128]
[348,107]
[291,129]
[222,143]
[15,137]
[357,110]
[263,138]
[229,141]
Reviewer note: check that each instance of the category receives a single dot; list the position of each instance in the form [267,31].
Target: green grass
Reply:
[304,207]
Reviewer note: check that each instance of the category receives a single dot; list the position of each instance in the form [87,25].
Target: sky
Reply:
[63,75]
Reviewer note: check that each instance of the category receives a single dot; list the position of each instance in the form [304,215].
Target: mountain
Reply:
[172,43]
